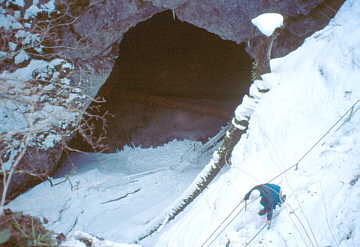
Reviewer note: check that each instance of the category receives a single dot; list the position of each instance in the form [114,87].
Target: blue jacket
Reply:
[270,197]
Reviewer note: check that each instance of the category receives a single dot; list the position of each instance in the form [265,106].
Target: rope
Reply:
[350,109]
[256,234]
[243,208]
[217,228]
[316,143]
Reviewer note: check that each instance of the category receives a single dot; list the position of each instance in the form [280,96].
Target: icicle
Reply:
[173,14]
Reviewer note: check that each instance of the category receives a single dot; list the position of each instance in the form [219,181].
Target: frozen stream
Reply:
[114,196]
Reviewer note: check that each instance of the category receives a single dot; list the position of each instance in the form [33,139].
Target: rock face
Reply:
[100,29]
[189,91]
[86,35]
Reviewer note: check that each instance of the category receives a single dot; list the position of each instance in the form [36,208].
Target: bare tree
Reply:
[46,104]
[54,118]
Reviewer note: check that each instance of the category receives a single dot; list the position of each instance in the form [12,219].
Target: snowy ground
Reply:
[115,195]
[311,89]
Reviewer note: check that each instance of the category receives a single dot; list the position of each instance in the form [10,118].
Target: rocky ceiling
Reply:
[101,26]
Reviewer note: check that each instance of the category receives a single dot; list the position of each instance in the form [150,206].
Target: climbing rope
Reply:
[296,165]
[350,109]
[255,235]
[217,228]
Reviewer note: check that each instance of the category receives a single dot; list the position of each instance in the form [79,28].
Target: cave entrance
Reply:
[173,80]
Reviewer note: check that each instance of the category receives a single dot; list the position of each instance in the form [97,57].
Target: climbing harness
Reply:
[349,110]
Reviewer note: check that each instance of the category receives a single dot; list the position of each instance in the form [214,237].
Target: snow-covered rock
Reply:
[268,22]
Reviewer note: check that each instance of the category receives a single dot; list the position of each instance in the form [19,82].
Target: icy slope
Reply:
[311,88]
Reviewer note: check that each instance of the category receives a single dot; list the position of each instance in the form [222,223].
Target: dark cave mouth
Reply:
[172,80]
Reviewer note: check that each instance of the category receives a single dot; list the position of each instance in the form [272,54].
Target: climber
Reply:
[271,196]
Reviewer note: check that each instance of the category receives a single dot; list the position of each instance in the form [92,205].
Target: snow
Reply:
[309,90]
[26,72]
[115,196]
[78,237]
[22,34]
[19,3]
[36,8]
[21,57]
[17,85]
[246,108]
[10,116]
[7,21]
[268,22]
[52,113]
[12,46]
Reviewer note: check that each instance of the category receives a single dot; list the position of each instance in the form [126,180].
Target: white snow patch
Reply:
[12,46]
[26,72]
[10,117]
[19,3]
[268,22]
[21,57]
[246,108]
[8,21]
[22,34]
[35,8]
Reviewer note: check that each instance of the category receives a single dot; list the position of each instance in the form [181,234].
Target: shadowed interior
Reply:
[172,80]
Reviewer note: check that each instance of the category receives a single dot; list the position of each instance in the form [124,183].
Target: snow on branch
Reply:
[247,107]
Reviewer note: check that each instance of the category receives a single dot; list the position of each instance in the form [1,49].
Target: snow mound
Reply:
[268,22]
